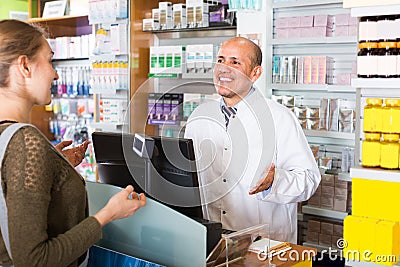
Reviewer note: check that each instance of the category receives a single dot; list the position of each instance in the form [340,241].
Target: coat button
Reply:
[224,180]
[223,212]
[225,148]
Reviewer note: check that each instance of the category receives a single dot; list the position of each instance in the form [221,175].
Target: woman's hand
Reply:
[122,205]
[74,155]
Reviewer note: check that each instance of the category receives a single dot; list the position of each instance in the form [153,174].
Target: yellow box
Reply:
[351,236]
[361,195]
[387,241]
[375,199]
[367,237]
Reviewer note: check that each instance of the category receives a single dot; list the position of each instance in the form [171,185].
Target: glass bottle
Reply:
[371,150]
[391,116]
[390,151]
[368,29]
[387,59]
[373,116]
[367,60]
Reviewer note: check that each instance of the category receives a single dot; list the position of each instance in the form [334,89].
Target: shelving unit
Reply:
[329,134]
[313,87]
[333,214]
[304,3]
[383,182]
[316,40]
[59,27]
[343,49]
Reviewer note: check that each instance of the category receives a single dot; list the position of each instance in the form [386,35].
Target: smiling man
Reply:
[253,158]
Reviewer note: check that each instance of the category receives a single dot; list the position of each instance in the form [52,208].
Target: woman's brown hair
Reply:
[17,38]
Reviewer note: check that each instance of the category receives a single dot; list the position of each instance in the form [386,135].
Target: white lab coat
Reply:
[231,160]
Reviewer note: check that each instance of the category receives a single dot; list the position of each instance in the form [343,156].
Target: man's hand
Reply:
[265,183]
[74,155]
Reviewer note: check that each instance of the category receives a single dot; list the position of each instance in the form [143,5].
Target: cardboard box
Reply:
[338,229]
[328,190]
[326,228]
[327,201]
[315,201]
[314,226]
[328,179]
[325,240]
[340,203]
[312,237]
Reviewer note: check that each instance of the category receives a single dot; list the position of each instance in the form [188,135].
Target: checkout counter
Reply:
[164,236]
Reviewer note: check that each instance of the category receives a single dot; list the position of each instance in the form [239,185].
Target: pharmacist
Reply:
[254,161]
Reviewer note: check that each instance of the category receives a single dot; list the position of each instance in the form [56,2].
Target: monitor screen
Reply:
[172,169]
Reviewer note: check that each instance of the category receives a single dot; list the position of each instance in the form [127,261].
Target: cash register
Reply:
[163,168]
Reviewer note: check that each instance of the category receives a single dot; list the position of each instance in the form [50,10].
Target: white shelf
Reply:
[108,57]
[300,3]
[111,92]
[329,134]
[375,174]
[375,10]
[108,126]
[376,83]
[313,87]
[300,216]
[316,40]
[317,246]
[324,212]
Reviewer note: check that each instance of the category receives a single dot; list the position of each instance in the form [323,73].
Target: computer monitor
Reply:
[173,172]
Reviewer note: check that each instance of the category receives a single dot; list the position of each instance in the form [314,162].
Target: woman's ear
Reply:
[24,66]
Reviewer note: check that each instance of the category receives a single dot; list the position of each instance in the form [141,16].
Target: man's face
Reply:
[233,75]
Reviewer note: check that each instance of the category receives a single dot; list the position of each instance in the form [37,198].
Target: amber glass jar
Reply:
[371,150]
[373,115]
[390,151]
[391,116]
[367,60]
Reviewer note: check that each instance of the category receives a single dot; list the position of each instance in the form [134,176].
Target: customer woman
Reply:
[48,221]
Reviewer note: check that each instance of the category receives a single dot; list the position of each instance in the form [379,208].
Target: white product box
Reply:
[323,21]
[165,9]
[294,22]
[118,37]
[282,33]
[342,19]
[282,23]
[190,58]
[150,25]
[306,21]
[179,16]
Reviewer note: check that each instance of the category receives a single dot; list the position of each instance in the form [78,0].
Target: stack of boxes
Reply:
[112,110]
[303,70]
[167,59]
[181,59]
[345,25]
[191,14]
[315,26]
[165,108]
[332,194]
[324,233]
[373,229]
[325,114]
